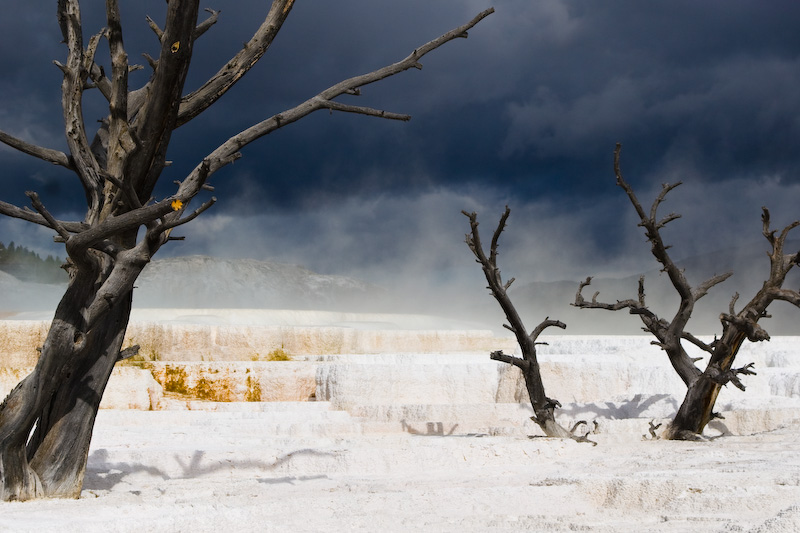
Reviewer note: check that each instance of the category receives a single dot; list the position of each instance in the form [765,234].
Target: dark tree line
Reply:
[27,265]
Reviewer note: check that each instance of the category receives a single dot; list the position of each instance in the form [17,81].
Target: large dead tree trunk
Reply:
[703,386]
[60,399]
[543,407]
[46,422]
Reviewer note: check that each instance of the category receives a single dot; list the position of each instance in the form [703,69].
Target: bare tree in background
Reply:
[543,407]
[46,422]
[703,386]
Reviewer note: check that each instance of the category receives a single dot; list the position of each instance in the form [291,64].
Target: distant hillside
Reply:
[207,282]
[750,266]
[201,281]
[27,265]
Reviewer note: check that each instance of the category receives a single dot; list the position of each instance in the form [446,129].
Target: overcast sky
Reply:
[524,112]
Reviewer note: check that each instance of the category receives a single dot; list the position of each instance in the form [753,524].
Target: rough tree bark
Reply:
[46,422]
[703,386]
[543,407]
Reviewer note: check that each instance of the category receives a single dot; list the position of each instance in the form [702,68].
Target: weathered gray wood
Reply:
[543,407]
[46,422]
[702,385]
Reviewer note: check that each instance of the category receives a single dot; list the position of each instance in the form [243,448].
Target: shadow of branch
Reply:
[636,407]
[102,474]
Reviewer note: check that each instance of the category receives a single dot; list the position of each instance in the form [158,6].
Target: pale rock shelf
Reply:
[245,335]
[389,371]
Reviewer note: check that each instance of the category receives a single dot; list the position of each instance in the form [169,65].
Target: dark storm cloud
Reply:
[526,112]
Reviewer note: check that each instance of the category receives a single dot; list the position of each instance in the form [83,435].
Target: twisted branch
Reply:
[226,77]
[51,221]
[323,100]
[45,154]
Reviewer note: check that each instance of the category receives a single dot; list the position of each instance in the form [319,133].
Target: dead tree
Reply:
[703,386]
[46,421]
[543,407]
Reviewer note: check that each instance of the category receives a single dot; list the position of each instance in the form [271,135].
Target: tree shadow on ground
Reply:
[104,475]
[432,429]
[633,408]
[290,479]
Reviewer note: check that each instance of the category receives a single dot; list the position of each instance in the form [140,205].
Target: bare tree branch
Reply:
[157,118]
[652,429]
[91,49]
[546,323]
[153,26]
[337,106]
[543,407]
[320,101]
[666,188]
[120,140]
[581,302]
[79,243]
[697,342]
[702,387]
[75,75]
[787,295]
[127,190]
[749,326]
[723,377]
[733,303]
[27,215]
[51,221]
[46,422]
[198,101]
[496,236]
[128,352]
[206,24]
[46,154]
[669,334]
[101,82]
[702,289]
[498,355]
[167,226]
[659,251]
[667,219]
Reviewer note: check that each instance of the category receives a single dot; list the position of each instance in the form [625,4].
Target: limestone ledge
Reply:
[180,385]
[165,341]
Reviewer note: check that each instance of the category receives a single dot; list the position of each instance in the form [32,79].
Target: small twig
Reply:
[126,188]
[153,26]
[361,110]
[39,206]
[715,374]
[584,437]
[501,225]
[188,218]
[128,352]
[46,154]
[206,24]
[546,323]
[652,430]
[498,355]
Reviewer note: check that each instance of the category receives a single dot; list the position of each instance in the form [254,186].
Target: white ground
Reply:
[278,470]
[388,464]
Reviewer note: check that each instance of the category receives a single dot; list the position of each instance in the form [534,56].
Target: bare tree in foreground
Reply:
[703,386]
[46,422]
[543,407]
